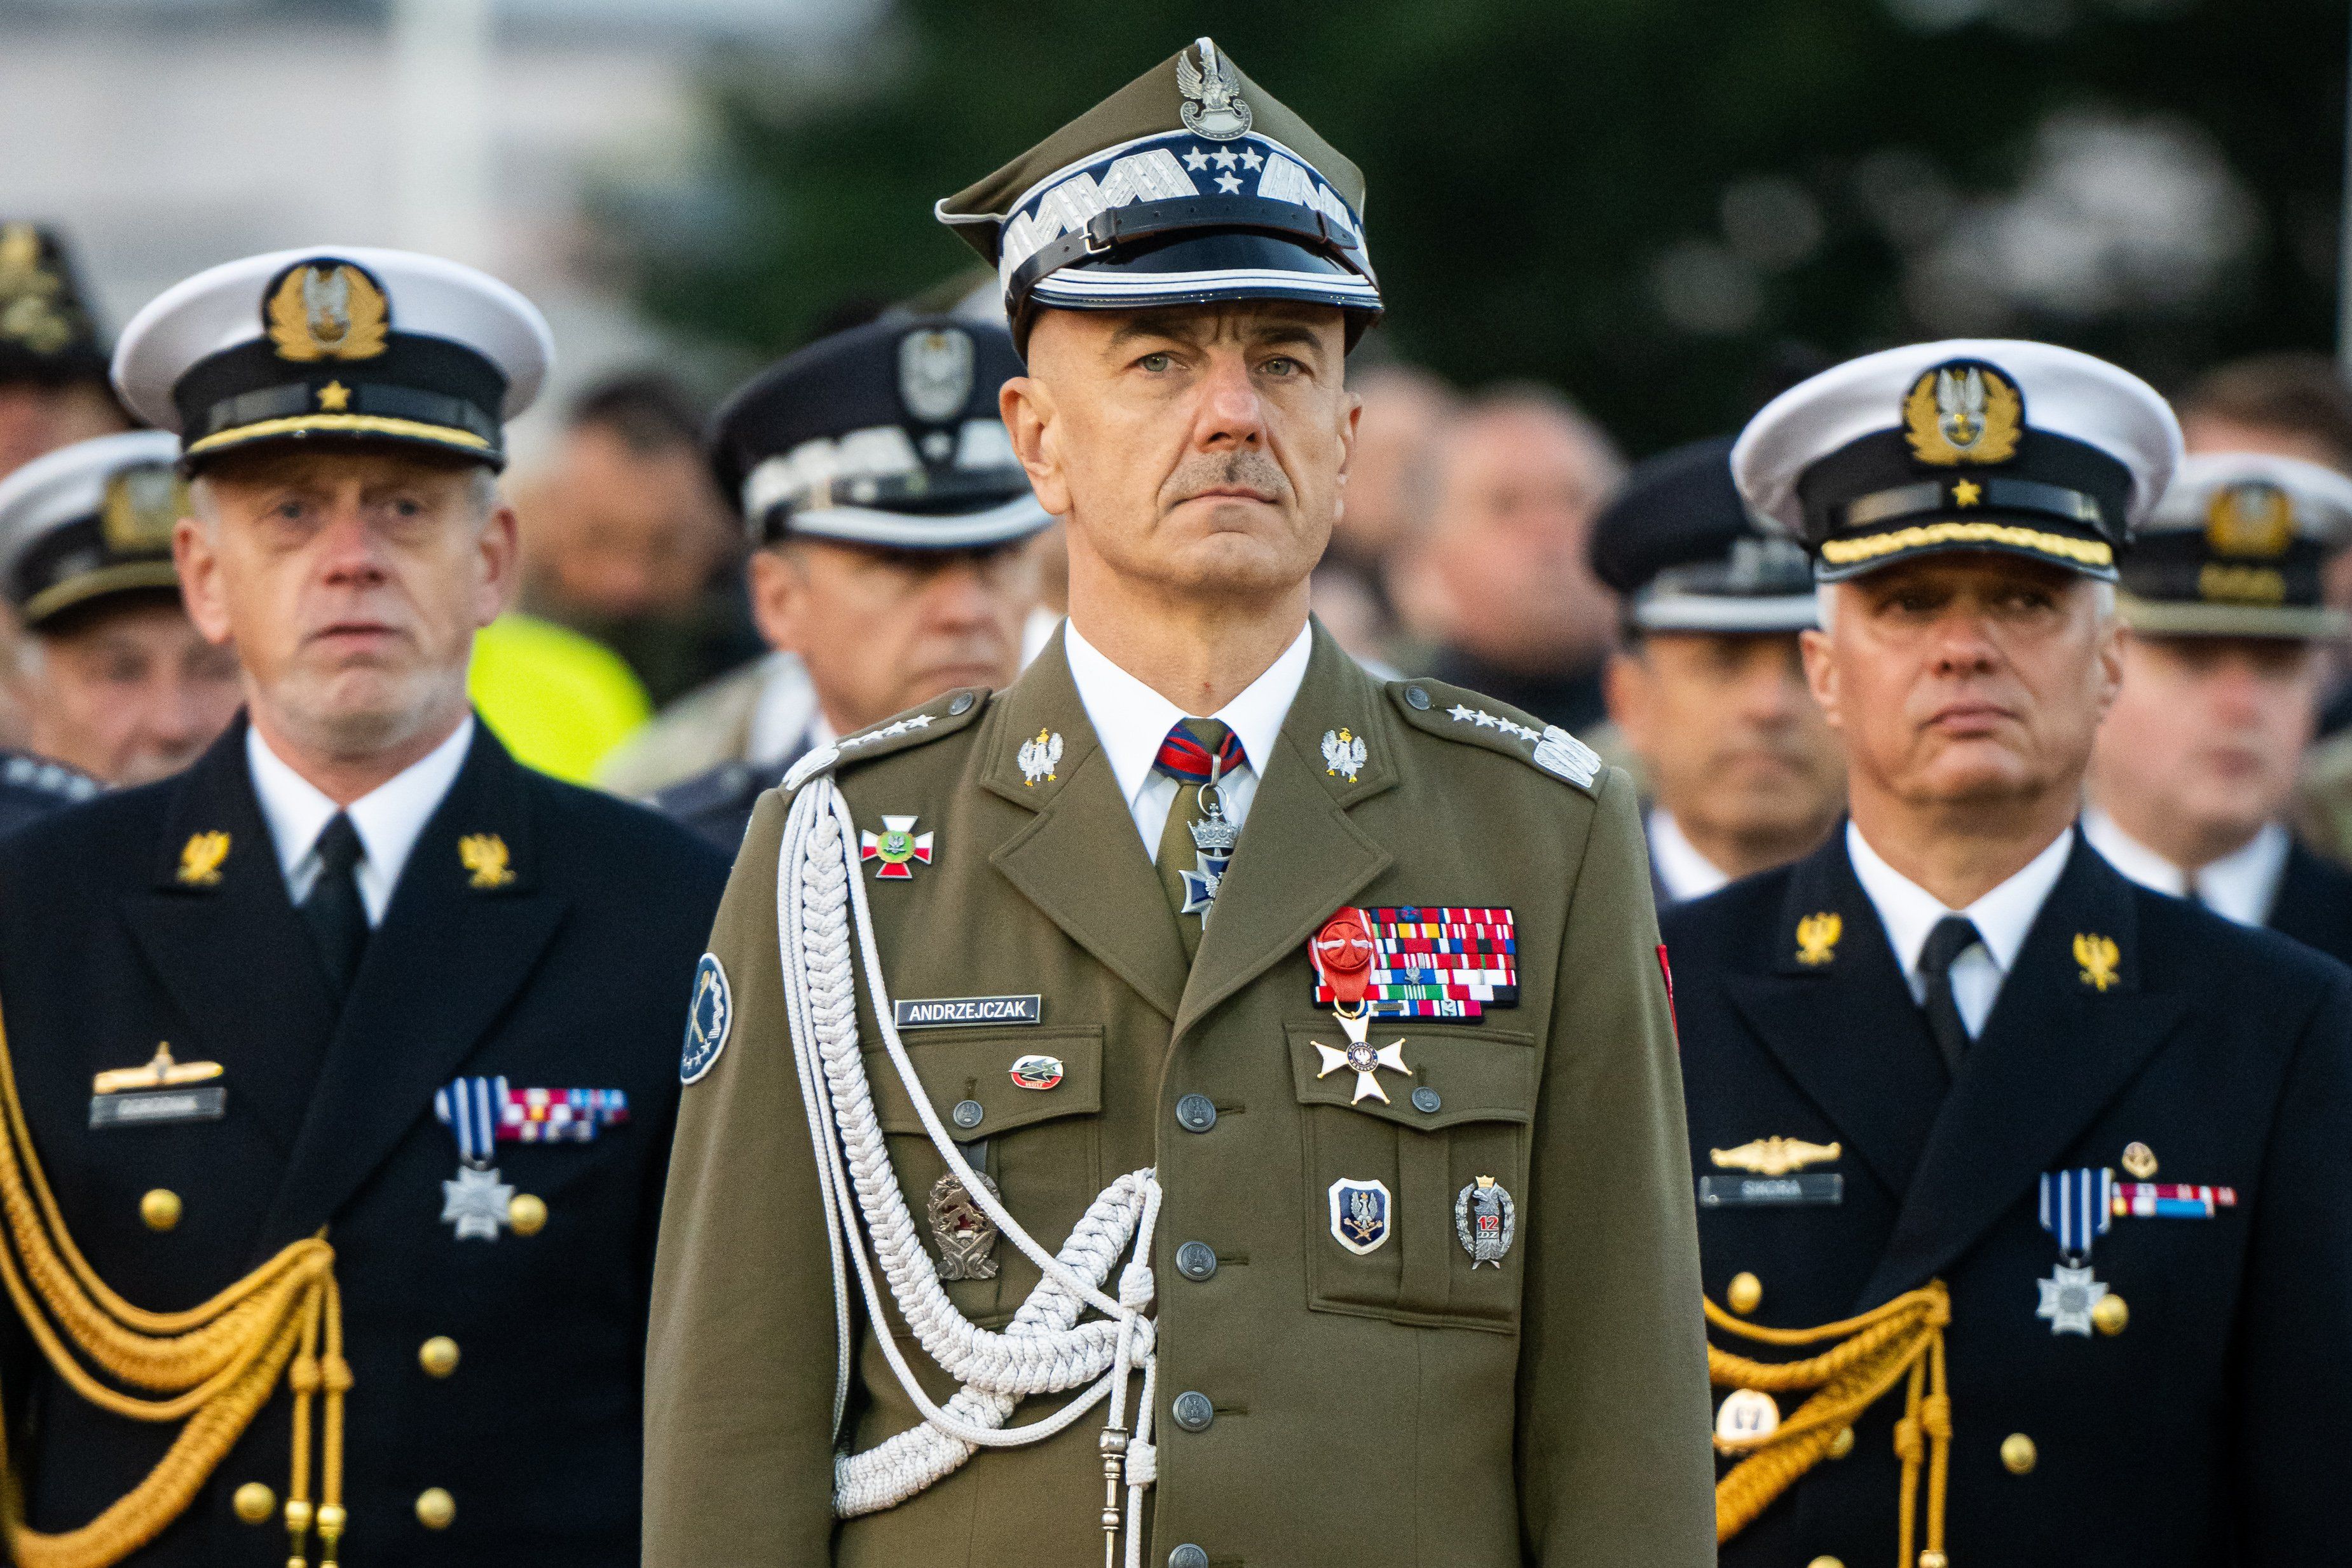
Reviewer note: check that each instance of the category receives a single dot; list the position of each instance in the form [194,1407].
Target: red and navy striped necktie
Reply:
[1181,755]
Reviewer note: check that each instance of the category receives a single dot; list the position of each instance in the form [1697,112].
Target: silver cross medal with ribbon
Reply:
[476,1201]
[1212,845]
[2077,1209]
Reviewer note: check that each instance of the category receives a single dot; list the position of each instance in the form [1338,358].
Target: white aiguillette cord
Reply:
[1045,1348]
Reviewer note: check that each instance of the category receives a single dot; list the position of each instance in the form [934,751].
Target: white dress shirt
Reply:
[1130,720]
[2002,917]
[1682,871]
[2241,886]
[388,818]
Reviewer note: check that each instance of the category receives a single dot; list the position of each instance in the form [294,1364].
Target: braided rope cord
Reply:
[1045,1348]
[218,1362]
[1900,1341]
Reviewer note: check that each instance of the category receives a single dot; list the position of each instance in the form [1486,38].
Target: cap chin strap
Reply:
[1013,520]
[1045,1349]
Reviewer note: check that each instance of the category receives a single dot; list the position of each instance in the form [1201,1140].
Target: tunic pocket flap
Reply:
[1455,1075]
[986,1081]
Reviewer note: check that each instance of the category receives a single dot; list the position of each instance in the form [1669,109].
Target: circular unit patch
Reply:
[708,1018]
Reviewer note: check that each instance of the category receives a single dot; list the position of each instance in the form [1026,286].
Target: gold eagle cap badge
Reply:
[1817,937]
[200,859]
[328,309]
[142,505]
[1775,1156]
[485,855]
[1963,413]
[2252,519]
[2098,955]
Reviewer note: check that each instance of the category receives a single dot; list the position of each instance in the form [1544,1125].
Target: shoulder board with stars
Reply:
[1461,715]
[944,715]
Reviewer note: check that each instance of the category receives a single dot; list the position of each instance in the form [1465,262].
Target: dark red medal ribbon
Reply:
[1342,955]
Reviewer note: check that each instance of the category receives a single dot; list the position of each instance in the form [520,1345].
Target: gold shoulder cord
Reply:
[1906,1335]
[218,1364]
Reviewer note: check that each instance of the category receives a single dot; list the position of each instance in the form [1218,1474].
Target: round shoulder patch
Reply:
[709,1017]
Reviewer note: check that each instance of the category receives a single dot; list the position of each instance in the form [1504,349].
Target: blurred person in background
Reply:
[1516,611]
[1707,688]
[115,682]
[2196,765]
[1387,505]
[895,531]
[626,541]
[53,388]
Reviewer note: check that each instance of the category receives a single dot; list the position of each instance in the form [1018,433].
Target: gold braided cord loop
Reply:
[1901,1341]
[217,1363]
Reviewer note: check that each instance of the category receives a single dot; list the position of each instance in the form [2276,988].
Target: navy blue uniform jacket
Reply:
[2216,1430]
[575,973]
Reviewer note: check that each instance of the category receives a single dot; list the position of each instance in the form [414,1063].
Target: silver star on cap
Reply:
[2067,1297]
[475,1203]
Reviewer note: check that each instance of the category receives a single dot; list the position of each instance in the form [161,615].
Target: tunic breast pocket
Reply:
[1385,1181]
[1025,1105]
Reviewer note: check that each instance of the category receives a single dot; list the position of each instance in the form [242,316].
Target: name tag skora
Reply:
[159,1107]
[1770,1192]
[964,1013]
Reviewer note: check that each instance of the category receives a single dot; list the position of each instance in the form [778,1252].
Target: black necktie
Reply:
[337,917]
[1953,935]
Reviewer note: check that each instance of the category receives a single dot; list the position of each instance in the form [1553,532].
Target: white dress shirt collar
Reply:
[2002,917]
[1130,720]
[389,818]
[2241,886]
[1682,871]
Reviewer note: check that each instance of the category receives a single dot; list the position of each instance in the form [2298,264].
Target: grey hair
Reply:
[481,497]
[2103,600]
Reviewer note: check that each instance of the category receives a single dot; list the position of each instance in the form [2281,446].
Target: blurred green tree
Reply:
[1666,207]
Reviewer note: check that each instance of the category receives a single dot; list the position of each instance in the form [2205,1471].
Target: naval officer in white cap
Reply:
[2045,1164]
[346,1053]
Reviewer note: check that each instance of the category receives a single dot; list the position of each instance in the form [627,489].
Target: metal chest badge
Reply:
[1359,1213]
[966,1235]
[897,846]
[1484,1222]
[1342,955]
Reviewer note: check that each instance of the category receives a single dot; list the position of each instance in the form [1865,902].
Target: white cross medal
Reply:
[2077,1207]
[476,1201]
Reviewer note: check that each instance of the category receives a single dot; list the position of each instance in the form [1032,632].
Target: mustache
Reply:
[1202,471]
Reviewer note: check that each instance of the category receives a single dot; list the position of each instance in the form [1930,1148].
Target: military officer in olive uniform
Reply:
[2196,766]
[1249,1083]
[2019,1187]
[346,1053]
[892,522]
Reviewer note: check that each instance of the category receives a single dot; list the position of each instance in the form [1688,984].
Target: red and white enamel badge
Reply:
[897,846]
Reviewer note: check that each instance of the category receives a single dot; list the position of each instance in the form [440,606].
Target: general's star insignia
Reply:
[475,1203]
[1364,1060]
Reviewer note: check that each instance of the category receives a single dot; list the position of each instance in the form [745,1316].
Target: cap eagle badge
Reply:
[328,310]
[1214,105]
[1963,414]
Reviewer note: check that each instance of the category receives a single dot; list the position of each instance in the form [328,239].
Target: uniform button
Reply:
[1196,1259]
[526,1213]
[961,705]
[255,1504]
[1416,697]
[1744,1294]
[1188,1556]
[435,1508]
[160,1208]
[2018,1454]
[967,1113]
[1196,1113]
[1426,1100]
[2111,1314]
[437,1355]
[1193,1413]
